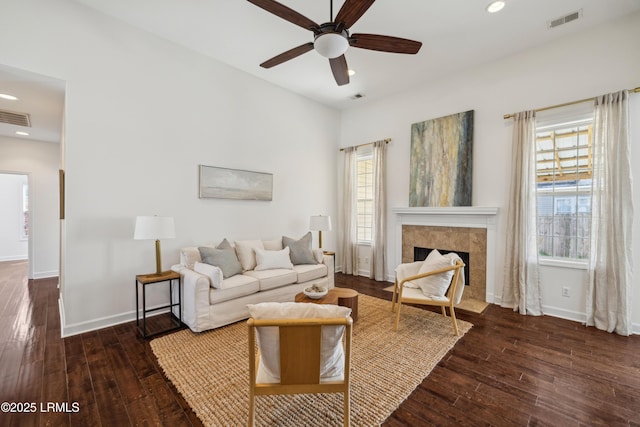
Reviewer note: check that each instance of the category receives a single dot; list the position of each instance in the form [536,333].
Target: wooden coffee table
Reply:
[344,297]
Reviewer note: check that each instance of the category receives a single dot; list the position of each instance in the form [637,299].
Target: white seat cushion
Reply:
[332,357]
[234,287]
[414,293]
[270,279]
[308,272]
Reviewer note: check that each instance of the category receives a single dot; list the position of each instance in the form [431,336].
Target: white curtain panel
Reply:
[349,243]
[379,226]
[610,263]
[521,289]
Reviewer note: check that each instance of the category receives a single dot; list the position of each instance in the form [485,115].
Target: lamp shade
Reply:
[331,45]
[154,228]
[320,223]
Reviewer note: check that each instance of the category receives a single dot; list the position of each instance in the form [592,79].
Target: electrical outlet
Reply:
[565,292]
[366,261]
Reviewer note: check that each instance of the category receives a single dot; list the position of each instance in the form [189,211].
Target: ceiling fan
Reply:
[332,39]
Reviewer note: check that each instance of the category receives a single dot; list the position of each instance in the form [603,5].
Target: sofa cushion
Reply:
[308,272]
[246,252]
[189,256]
[224,244]
[273,244]
[234,287]
[300,249]
[214,273]
[270,279]
[226,259]
[268,260]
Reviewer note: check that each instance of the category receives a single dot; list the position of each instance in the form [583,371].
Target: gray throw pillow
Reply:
[300,250]
[224,244]
[225,259]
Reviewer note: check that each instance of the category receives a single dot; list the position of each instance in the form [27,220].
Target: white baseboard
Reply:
[13,258]
[45,274]
[563,313]
[100,323]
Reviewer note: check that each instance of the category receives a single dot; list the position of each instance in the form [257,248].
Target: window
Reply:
[365,196]
[564,167]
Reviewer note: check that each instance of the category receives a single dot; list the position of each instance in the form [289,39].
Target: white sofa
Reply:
[210,302]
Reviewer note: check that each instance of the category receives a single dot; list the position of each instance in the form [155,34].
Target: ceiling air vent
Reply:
[357,96]
[564,19]
[13,118]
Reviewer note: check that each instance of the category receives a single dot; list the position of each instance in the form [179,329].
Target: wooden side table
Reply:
[144,280]
[344,297]
[333,254]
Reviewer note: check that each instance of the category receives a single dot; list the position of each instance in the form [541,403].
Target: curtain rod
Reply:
[388,140]
[508,116]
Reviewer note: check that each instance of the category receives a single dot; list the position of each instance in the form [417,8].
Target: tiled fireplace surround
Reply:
[467,229]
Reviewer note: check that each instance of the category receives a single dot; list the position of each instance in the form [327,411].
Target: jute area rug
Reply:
[211,370]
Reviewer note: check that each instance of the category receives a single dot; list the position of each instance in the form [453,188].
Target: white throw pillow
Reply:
[437,285]
[245,249]
[211,271]
[332,356]
[268,260]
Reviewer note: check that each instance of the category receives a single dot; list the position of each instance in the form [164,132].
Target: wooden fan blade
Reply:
[352,10]
[285,56]
[384,43]
[285,13]
[340,70]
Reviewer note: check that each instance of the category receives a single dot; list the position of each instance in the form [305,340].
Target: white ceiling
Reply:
[456,35]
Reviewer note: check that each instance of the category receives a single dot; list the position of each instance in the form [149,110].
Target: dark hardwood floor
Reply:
[509,370]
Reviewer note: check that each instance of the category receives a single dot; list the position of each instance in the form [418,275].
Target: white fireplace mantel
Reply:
[455,216]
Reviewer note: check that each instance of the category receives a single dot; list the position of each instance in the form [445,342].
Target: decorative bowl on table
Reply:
[315,291]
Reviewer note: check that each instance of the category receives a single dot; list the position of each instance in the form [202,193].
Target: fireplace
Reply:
[420,254]
[470,230]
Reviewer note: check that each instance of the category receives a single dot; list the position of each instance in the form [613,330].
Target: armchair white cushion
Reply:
[332,355]
[402,293]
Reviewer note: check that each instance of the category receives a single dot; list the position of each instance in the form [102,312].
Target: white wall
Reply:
[40,160]
[595,62]
[13,246]
[141,114]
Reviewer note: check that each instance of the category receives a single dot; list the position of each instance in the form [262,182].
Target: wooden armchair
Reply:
[300,346]
[408,273]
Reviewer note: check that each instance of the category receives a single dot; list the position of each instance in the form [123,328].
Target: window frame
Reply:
[364,155]
[577,191]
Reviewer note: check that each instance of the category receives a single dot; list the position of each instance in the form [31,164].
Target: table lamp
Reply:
[320,223]
[155,228]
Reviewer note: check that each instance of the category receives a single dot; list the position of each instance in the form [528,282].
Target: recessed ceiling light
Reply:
[495,6]
[7,96]
[22,133]
[351,72]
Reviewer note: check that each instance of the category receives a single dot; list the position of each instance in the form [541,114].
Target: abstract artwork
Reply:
[223,183]
[441,161]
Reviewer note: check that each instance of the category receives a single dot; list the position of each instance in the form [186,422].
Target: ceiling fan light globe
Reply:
[331,45]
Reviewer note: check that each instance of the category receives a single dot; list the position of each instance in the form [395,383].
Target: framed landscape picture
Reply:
[223,183]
